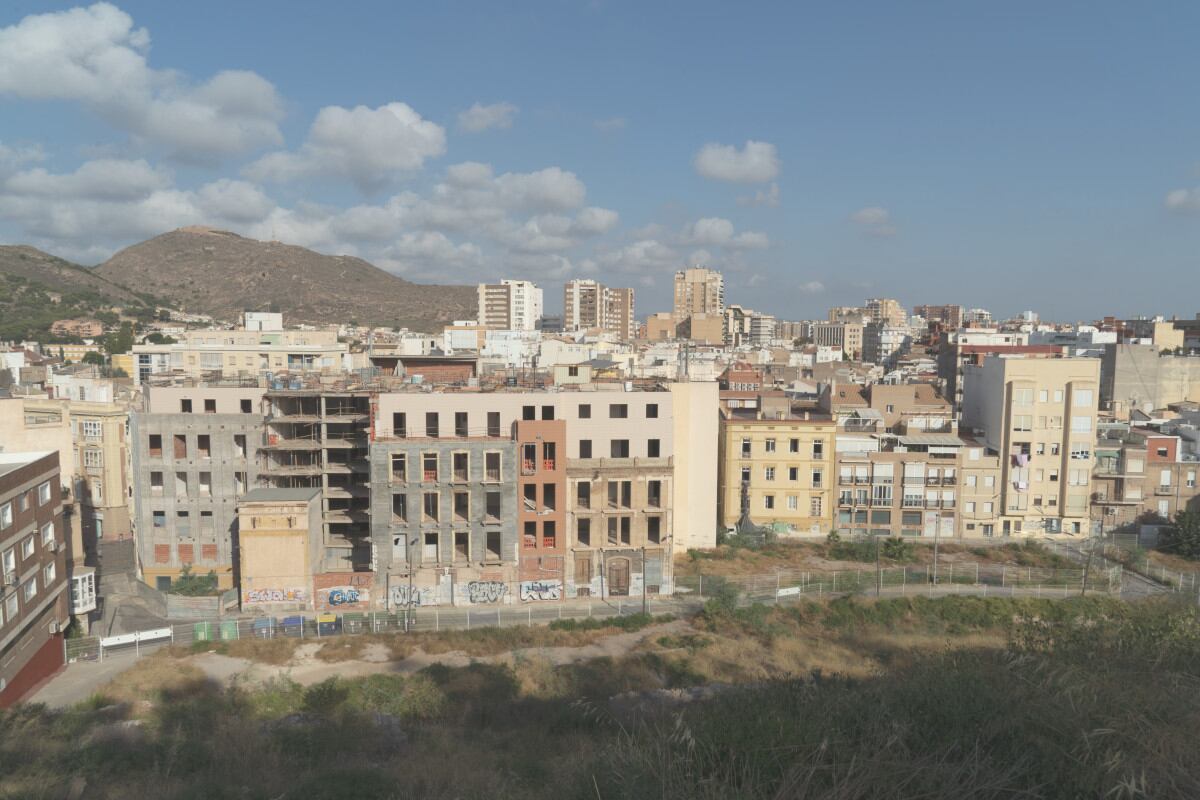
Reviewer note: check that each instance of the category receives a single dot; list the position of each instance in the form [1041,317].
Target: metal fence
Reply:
[690,594]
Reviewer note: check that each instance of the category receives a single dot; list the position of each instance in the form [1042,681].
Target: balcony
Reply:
[914,502]
[1163,491]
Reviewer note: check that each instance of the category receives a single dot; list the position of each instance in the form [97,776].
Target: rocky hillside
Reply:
[30,265]
[219,273]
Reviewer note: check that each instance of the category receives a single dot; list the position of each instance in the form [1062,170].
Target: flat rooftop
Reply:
[14,461]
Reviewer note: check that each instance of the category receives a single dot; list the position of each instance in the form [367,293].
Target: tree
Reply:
[1182,537]
[160,338]
[120,341]
[92,357]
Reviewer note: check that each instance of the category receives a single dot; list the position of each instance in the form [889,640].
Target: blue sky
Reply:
[1011,156]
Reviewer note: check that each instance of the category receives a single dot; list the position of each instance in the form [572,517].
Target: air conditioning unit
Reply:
[54,546]
[54,626]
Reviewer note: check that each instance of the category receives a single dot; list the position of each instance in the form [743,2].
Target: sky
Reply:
[1011,156]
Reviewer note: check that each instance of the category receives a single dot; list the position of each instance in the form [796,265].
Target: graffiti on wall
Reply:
[346,595]
[405,595]
[486,591]
[541,590]
[274,596]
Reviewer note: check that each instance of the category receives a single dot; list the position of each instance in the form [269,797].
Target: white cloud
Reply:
[719,232]
[480,118]
[236,201]
[611,125]
[875,220]
[367,146]
[96,57]
[1184,200]
[644,256]
[102,179]
[756,162]
[769,198]
[429,250]
[13,158]
[811,287]
[594,220]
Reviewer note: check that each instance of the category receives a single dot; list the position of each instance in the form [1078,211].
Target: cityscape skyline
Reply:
[129,120]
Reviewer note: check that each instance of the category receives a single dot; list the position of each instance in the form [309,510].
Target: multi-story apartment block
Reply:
[510,305]
[195,452]
[698,290]
[35,603]
[319,437]
[1140,377]
[855,314]
[746,327]
[279,547]
[958,349]
[950,317]
[589,305]
[241,353]
[886,311]
[1144,475]
[781,467]
[558,494]
[846,336]
[102,461]
[884,343]
[1040,416]
[900,408]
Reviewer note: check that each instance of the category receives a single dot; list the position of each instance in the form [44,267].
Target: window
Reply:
[27,547]
[48,574]
[612,530]
[528,412]
[462,506]
[1043,396]
[205,484]
[530,535]
[988,507]
[585,411]
[183,525]
[653,448]
[429,506]
[206,524]
[793,445]
[549,497]
[91,429]
[769,446]
[585,448]
[652,411]
[793,502]
[583,532]
[210,406]
[969,506]
[769,501]
[1191,479]
[492,506]
[769,473]
[1023,397]
[247,406]
[528,458]
[818,477]
[618,411]
[204,445]
[1081,453]
[11,608]
[399,425]
[492,546]
[493,424]
[6,515]
[48,533]
[549,534]
[989,481]
[1081,424]
[909,518]
[1161,452]
[185,406]
[818,450]
[462,546]
[399,508]
[429,467]
[10,561]
[155,445]
[460,424]
[573,371]
[745,474]
[529,493]
[547,412]
[1082,398]
[626,528]
[179,443]
[239,445]
[431,424]
[460,464]
[491,466]
[970,480]
[654,494]
[43,493]
[745,448]
[619,448]
[430,551]
[654,530]
[23,501]
[239,483]
[160,519]
[814,506]
[29,590]
[1022,422]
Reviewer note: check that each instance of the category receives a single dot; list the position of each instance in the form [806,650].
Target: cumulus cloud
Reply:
[367,146]
[768,198]
[719,232]
[811,287]
[875,220]
[479,118]
[640,257]
[756,162]
[1183,200]
[96,57]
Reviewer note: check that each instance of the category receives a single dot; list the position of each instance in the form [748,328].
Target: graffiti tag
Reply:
[346,595]
[403,595]
[541,590]
[274,596]
[486,591]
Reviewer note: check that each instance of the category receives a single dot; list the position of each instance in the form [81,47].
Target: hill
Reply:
[219,273]
[37,288]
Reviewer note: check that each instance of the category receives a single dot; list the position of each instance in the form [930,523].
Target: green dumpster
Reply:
[202,632]
[354,622]
[229,629]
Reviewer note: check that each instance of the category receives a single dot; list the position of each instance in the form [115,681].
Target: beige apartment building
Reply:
[782,467]
[699,290]
[887,311]
[510,305]
[847,336]
[279,550]
[1040,416]
[590,305]
[240,353]
[102,458]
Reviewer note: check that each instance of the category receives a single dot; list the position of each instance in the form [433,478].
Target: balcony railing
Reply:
[548,464]
[1162,490]
[429,476]
[528,467]
[492,475]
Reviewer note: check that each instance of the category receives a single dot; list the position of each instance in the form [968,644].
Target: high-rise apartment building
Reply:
[588,304]
[949,316]
[698,290]
[744,326]
[887,311]
[510,305]
[1039,415]
[848,336]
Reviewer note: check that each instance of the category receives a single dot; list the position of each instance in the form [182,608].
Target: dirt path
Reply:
[306,669]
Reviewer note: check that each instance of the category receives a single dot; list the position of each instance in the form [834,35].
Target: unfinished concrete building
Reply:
[320,438]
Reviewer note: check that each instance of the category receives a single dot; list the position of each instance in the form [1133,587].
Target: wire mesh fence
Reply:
[690,594]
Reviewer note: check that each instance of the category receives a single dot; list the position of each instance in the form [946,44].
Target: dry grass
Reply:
[277,652]
[142,683]
[1157,558]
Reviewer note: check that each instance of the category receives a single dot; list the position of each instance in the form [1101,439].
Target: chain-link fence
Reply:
[690,594]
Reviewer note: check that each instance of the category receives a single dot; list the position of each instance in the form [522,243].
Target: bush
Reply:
[630,622]
[898,549]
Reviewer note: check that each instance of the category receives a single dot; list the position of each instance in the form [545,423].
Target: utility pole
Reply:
[937,533]
[878,567]
[645,595]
